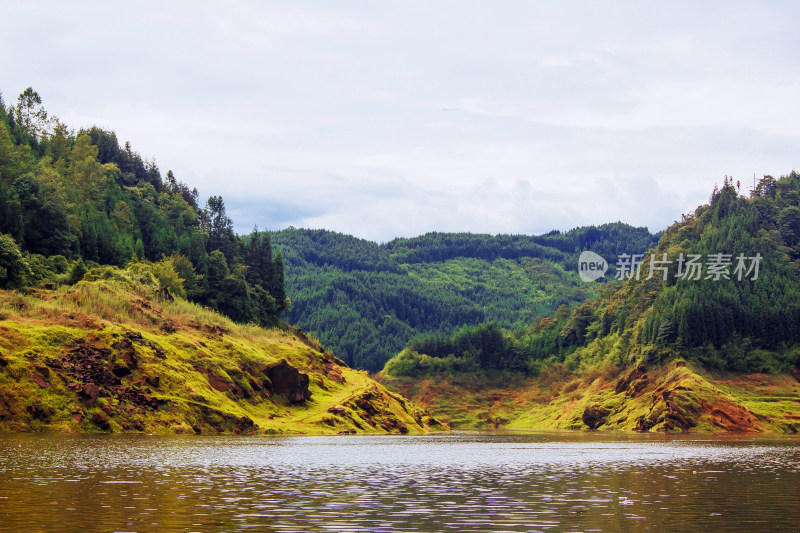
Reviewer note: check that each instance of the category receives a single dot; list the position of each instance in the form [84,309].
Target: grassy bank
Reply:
[115,353]
[674,397]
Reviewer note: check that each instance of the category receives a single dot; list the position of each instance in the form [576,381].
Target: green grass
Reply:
[557,399]
[178,346]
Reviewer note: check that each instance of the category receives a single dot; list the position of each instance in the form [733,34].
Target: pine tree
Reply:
[276,289]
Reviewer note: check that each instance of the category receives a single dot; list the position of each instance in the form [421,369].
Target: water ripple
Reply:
[461,482]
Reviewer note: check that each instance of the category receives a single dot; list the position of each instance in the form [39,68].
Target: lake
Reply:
[450,482]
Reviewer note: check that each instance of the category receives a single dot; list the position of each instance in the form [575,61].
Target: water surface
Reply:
[454,482]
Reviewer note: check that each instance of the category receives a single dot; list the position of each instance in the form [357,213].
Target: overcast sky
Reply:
[385,119]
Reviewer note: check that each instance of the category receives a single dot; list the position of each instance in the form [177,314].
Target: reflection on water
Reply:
[460,482]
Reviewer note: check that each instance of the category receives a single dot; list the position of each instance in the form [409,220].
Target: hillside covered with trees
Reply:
[70,200]
[125,306]
[720,291]
[367,300]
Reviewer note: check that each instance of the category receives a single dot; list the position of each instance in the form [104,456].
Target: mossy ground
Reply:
[164,365]
[672,397]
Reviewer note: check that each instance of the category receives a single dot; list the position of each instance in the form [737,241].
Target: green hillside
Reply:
[69,199]
[126,306]
[724,320]
[115,353]
[367,300]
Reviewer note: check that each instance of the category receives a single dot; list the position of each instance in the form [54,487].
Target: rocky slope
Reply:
[673,397]
[116,354]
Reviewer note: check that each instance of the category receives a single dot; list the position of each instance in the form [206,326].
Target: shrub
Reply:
[77,272]
[14,271]
[168,278]
[41,268]
[185,270]
[58,264]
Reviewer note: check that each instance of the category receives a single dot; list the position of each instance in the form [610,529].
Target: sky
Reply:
[392,119]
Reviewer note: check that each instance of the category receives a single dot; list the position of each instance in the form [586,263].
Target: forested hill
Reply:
[562,247]
[72,200]
[722,287]
[366,300]
[703,334]
[99,254]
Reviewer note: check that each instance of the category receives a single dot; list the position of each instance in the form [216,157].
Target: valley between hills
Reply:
[127,306]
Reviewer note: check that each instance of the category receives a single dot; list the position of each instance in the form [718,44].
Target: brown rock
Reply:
[733,417]
[88,363]
[333,372]
[136,396]
[255,384]
[40,412]
[622,385]
[676,421]
[131,361]
[90,393]
[644,424]
[124,344]
[39,380]
[218,383]
[638,386]
[640,372]
[365,403]
[594,416]
[99,419]
[286,379]
[240,392]
[215,330]
[244,424]
[497,422]
[120,370]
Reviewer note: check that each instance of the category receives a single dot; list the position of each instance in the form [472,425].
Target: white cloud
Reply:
[384,119]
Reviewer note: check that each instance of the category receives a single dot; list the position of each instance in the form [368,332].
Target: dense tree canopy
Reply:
[84,198]
[366,300]
[739,310]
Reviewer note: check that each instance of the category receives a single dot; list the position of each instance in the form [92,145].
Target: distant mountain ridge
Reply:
[367,300]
